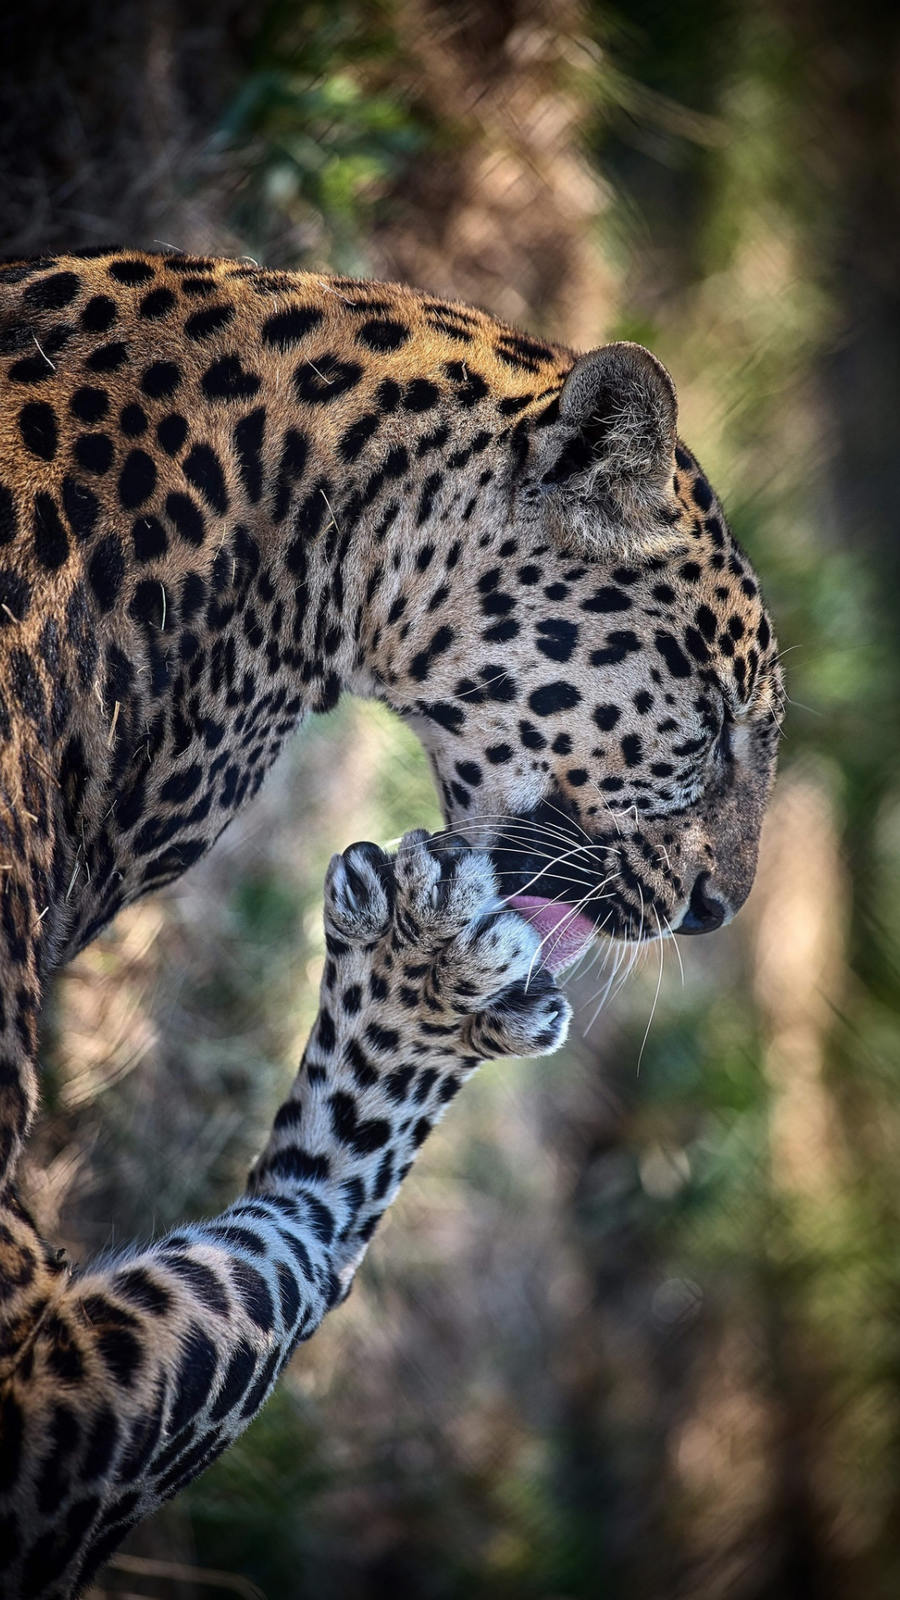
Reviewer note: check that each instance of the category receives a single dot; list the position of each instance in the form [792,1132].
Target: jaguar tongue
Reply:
[564,933]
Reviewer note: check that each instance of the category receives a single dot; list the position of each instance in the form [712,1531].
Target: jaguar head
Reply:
[607,715]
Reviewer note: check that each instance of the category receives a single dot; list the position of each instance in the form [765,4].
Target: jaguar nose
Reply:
[704,913]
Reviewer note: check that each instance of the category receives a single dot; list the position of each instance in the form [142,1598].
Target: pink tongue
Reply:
[564,932]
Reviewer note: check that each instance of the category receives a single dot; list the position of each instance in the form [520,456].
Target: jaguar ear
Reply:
[613,447]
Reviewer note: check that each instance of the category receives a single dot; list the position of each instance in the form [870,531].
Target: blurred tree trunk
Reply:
[107,112]
[854,97]
[502,211]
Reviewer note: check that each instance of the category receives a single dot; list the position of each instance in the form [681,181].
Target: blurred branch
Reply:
[206,1577]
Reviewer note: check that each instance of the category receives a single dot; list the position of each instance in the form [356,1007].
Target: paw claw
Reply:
[442,888]
[530,1019]
[358,892]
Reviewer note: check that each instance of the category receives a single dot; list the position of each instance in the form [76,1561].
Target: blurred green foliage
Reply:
[318,129]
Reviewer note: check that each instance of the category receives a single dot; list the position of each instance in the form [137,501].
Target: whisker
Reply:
[677,947]
[567,818]
[556,934]
[662,957]
[604,802]
[604,990]
[549,868]
[622,953]
[814,711]
[637,950]
[526,850]
[592,953]
[597,954]
[549,830]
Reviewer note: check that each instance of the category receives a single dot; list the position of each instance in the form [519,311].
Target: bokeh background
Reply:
[633,1329]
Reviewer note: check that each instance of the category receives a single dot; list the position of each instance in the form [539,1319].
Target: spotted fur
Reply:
[226,496]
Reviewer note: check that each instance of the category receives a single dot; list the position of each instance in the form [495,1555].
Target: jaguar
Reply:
[227,496]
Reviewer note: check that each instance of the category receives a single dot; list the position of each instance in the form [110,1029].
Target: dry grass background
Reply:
[629,1331]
